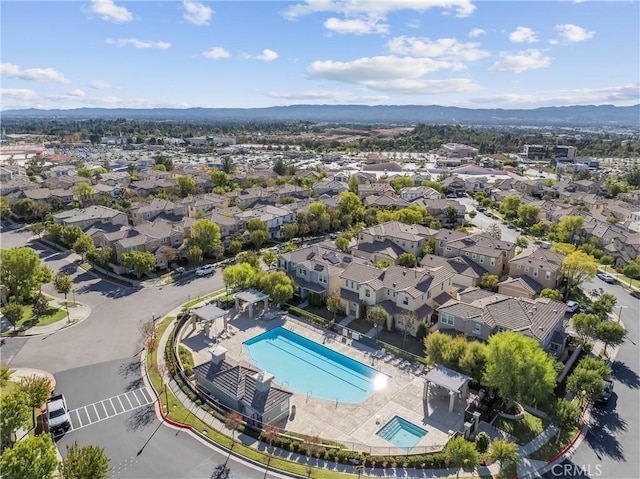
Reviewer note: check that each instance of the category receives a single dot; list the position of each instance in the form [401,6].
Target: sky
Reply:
[246,54]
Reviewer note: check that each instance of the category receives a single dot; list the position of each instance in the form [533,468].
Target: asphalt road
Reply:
[611,447]
[482,221]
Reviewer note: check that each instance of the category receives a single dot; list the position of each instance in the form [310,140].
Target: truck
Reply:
[58,420]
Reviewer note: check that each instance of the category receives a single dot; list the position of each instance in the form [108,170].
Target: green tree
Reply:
[577,268]
[250,258]
[206,235]
[139,261]
[194,254]
[569,229]
[83,245]
[505,453]
[351,206]
[489,281]
[551,294]
[509,206]
[258,238]
[343,241]
[269,258]
[610,333]
[585,326]
[40,305]
[32,458]
[407,260]
[334,304]
[519,369]
[71,234]
[227,165]
[289,231]
[585,384]
[353,184]
[237,276]
[435,347]
[522,242]
[632,270]
[474,360]
[278,285]
[100,256]
[20,271]
[5,209]
[494,231]
[604,305]
[13,313]
[565,415]
[83,191]
[25,208]
[164,160]
[14,414]
[36,390]
[400,182]
[528,215]
[482,442]
[279,167]
[461,453]
[376,315]
[84,462]
[63,282]
[186,186]
[37,228]
[450,214]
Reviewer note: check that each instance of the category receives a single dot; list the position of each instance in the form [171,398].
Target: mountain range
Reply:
[588,115]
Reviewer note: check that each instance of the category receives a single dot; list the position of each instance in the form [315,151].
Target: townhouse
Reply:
[273,216]
[86,217]
[533,270]
[398,236]
[490,253]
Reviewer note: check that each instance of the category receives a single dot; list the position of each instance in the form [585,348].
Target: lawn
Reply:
[525,430]
[551,448]
[323,312]
[52,315]
[361,325]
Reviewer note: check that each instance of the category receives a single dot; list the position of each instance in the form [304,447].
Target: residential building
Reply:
[86,217]
[413,192]
[273,216]
[540,265]
[458,150]
[410,238]
[490,253]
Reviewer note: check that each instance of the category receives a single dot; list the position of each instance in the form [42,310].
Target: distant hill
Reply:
[605,115]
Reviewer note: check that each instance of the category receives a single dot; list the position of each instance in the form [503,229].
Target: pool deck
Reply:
[354,425]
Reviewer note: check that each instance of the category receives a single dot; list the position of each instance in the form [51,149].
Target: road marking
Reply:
[107,405]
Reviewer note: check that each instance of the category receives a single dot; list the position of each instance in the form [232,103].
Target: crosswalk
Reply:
[99,411]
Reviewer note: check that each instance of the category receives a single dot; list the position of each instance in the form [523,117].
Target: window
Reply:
[519,266]
[405,301]
[477,329]
[448,248]
[492,262]
[482,259]
[535,272]
[367,293]
[473,256]
[429,294]
[547,275]
[526,269]
[303,272]
[448,319]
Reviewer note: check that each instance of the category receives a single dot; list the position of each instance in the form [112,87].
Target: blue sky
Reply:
[171,53]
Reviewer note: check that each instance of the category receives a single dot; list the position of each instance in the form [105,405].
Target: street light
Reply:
[620,312]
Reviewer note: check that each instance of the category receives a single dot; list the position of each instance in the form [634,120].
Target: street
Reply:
[483,222]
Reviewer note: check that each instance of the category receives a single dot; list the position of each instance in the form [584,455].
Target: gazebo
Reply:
[251,297]
[457,383]
[208,315]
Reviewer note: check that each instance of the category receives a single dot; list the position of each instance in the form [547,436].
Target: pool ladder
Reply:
[309,393]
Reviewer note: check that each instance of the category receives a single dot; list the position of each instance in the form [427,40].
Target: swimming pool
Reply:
[402,433]
[310,368]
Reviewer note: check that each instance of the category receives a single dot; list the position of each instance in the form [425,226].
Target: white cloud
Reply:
[476,32]
[215,53]
[415,23]
[197,13]
[521,62]
[574,33]
[523,35]
[122,42]
[22,94]
[99,85]
[77,93]
[10,70]
[424,87]
[328,95]
[378,8]
[86,100]
[266,56]
[110,12]
[443,47]
[356,26]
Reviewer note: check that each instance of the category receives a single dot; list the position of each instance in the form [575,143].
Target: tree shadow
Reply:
[134,384]
[141,418]
[127,369]
[601,437]
[622,374]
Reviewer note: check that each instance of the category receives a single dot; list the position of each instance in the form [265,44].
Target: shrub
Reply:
[482,442]
[315,300]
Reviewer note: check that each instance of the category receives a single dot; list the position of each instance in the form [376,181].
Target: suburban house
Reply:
[409,238]
[330,187]
[374,189]
[400,291]
[466,273]
[316,268]
[532,271]
[411,193]
[479,314]
[147,211]
[273,216]
[159,238]
[86,217]
[240,387]
[490,253]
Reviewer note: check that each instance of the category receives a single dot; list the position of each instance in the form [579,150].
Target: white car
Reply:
[572,306]
[58,420]
[607,278]
[205,270]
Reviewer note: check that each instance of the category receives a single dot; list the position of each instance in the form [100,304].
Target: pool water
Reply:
[310,368]
[402,433]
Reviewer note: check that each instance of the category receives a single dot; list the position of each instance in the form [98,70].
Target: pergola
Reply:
[251,297]
[457,383]
[208,315]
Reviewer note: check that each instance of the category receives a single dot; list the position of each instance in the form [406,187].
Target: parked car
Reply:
[608,391]
[333,236]
[58,420]
[607,278]
[177,269]
[205,270]
[572,306]
[481,208]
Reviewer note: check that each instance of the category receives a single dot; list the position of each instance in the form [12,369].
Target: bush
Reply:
[482,442]
[186,358]
[315,300]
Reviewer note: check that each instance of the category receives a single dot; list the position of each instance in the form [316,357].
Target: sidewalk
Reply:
[77,313]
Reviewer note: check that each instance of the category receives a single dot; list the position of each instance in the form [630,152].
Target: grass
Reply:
[525,430]
[12,387]
[198,300]
[551,448]
[323,312]
[179,413]
[622,279]
[52,315]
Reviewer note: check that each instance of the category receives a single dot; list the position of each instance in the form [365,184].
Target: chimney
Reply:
[263,380]
[217,354]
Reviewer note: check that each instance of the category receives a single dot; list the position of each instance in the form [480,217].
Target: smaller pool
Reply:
[402,433]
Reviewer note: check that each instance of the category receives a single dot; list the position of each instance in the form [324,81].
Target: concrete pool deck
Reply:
[354,425]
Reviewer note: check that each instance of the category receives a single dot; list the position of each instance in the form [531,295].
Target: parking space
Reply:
[99,411]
